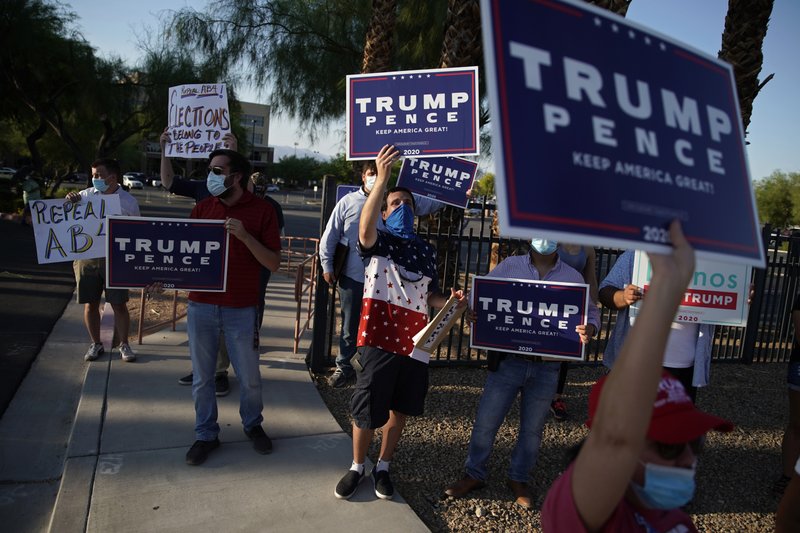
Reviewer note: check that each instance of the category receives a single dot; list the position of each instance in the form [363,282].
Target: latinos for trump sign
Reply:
[423,113]
[180,253]
[66,231]
[606,131]
[529,317]
[446,179]
[198,118]
[717,293]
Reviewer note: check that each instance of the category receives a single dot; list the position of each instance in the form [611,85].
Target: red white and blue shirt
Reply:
[399,275]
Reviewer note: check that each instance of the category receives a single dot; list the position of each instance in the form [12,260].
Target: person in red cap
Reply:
[636,467]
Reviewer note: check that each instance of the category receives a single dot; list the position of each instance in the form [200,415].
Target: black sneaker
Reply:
[221,385]
[383,485]
[186,380]
[199,451]
[348,484]
[340,380]
[261,443]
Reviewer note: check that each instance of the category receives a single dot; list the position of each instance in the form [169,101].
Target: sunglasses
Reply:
[670,452]
[219,171]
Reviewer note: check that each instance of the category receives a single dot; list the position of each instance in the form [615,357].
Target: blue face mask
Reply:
[665,487]
[99,184]
[544,246]
[400,222]
[216,184]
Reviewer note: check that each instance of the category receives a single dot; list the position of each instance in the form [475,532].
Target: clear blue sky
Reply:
[774,132]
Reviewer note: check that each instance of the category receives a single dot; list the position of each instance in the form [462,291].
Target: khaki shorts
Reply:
[90,276]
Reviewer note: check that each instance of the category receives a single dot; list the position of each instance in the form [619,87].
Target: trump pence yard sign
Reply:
[605,131]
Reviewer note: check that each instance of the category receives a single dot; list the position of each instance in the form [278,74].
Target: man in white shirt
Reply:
[90,273]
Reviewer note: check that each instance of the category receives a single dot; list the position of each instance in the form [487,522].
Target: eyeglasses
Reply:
[670,452]
[219,171]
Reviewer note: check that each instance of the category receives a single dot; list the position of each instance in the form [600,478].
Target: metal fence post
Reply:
[320,339]
[759,283]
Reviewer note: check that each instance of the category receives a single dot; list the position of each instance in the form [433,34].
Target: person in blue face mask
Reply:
[532,378]
[90,273]
[636,468]
[400,283]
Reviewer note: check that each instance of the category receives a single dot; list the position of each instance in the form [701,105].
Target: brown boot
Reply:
[464,486]
[522,496]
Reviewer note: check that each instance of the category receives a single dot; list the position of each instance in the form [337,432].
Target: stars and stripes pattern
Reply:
[398,276]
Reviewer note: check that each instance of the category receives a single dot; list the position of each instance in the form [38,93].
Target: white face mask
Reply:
[369,181]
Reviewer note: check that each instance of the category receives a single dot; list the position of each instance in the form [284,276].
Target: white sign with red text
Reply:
[717,293]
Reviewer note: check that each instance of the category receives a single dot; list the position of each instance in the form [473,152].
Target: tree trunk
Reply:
[380,37]
[745,28]
[462,37]
[31,140]
[461,47]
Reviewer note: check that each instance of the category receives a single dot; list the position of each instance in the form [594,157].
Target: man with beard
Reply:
[256,243]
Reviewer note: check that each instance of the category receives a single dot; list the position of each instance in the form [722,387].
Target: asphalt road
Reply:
[33,296]
[32,299]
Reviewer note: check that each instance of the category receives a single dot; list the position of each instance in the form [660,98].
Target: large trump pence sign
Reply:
[424,113]
[181,254]
[605,131]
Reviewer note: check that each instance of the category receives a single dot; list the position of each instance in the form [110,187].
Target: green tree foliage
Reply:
[778,199]
[302,51]
[485,186]
[54,86]
[341,168]
[296,170]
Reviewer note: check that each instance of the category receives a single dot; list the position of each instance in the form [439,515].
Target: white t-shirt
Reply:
[681,344]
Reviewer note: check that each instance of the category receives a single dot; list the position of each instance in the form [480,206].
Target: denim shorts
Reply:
[387,381]
[793,376]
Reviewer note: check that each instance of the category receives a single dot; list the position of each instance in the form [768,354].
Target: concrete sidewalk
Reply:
[109,439]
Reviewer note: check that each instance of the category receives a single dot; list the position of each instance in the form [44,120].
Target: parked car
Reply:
[80,177]
[131,179]
[273,188]
[6,173]
[155,182]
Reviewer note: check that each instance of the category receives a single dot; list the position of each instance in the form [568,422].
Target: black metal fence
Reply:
[467,249]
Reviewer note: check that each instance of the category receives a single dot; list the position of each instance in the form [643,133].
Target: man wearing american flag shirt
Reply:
[400,282]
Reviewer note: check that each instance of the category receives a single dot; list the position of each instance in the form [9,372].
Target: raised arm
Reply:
[368,225]
[608,458]
[167,174]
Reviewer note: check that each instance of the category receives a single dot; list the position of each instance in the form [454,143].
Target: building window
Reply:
[247,120]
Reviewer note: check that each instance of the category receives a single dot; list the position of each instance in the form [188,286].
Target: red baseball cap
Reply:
[675,418]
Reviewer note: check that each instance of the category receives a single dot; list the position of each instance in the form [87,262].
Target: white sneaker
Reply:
[127,353]
[95,350]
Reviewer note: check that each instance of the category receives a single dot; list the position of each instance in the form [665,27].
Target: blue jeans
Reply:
[350,293]
[537,382]
[205,322]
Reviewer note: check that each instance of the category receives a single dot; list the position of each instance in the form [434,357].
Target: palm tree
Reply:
[745,28]
[380,38]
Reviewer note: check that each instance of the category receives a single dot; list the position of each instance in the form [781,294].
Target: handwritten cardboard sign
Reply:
[183,254]
[431,336]
[64,231]
[198,118]
[717,293]
[529,317]
[424,113]
[594,149]
[446,179]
